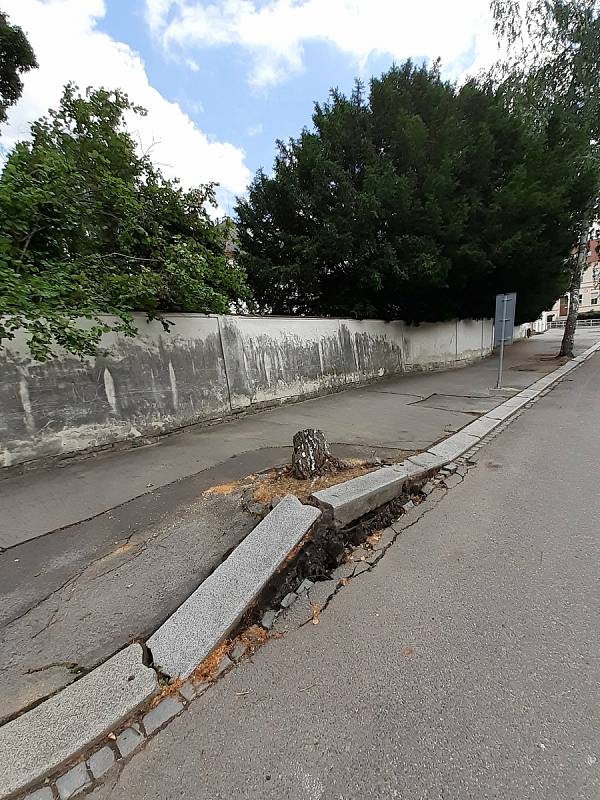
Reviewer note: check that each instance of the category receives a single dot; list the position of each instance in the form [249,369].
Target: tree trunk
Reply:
[311,454]
[568,340]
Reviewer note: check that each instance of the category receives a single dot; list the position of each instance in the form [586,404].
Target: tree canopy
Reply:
[419,201]
[16,57]
[88,226]
[552,68]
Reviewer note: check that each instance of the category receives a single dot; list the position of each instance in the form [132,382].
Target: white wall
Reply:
[206,368]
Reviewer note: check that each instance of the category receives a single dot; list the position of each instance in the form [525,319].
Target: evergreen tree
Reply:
[420,201]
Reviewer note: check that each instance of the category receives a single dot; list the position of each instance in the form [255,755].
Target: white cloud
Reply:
[192,65]
[255,130]
[69,47]
[274,32]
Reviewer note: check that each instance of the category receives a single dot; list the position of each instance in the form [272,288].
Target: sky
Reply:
[223,79]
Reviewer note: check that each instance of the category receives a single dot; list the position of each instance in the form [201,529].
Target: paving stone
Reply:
[210,613]
[224,664]
[42,739]
[41,794]
[239,651]
[73,781]
[407,506]
[128,740]
[163,712]
[451,467]
[101,761]
[305,586]
[268,619]
[428,488]
[289,599]
[191,690]
[352,499]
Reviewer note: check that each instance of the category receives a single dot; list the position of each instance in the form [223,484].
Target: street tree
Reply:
[16,57]
[416,200]
[552,69]
[88,227]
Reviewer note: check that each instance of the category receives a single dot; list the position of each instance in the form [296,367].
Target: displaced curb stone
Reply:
[209,614]
[352,499]
[163,712]
[40,740]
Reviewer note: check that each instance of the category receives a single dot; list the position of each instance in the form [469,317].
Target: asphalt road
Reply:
[466,664]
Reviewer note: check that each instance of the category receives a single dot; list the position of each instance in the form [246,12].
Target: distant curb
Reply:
[347,501]
[49,739]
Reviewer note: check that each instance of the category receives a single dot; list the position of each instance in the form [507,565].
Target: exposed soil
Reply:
[279,482]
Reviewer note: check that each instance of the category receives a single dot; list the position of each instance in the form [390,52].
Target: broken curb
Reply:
[57,731]
[42,739]
[203,620]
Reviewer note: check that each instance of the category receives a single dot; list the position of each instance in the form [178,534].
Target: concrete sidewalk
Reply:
[132,534]
[464,665]
[404,413]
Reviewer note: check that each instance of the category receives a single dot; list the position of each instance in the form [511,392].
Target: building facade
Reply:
[589,296]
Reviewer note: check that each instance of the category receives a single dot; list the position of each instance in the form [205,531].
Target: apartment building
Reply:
[589,297]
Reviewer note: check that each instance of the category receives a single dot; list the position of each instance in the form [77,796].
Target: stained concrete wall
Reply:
[205,368]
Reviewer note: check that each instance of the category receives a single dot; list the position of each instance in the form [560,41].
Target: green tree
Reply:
[16,57]
[420,202]
[552,68]
[89,227]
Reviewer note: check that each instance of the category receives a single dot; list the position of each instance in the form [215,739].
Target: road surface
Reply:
[465,664]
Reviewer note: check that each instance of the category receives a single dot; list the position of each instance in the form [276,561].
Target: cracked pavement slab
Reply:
[122,593]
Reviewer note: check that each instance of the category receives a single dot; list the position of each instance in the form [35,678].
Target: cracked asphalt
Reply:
[464,664]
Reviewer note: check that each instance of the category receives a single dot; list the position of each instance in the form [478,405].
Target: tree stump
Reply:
[312,455]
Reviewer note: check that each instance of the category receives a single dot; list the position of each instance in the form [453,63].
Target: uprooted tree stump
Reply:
[312,456]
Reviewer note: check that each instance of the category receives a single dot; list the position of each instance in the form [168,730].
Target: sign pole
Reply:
[501,362]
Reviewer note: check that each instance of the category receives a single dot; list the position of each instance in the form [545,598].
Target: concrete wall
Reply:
[206,367]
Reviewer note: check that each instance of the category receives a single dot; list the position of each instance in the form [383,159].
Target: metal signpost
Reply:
[504,324]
